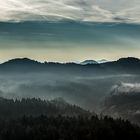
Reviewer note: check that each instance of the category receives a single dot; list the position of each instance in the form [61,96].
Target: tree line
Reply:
[67,128]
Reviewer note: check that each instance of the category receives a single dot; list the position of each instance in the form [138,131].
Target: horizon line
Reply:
[65,62]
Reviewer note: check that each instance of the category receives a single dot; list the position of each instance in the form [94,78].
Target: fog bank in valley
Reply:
[86,91]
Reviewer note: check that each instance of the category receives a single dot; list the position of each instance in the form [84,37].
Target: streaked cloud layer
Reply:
[79,10]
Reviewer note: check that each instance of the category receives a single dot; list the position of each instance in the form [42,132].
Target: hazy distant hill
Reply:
[102,61]
[86,62]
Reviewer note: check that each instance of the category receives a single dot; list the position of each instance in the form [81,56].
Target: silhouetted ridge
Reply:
[123,65]
[22,61]
[129,60]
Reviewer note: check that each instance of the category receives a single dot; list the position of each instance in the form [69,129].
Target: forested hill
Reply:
[36,119]
[68,128]
[35,107]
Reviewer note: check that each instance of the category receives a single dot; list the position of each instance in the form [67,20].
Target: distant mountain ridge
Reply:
[21,61]
[86,62]
[102,61]
[129,60]
[123,65]
[28,60]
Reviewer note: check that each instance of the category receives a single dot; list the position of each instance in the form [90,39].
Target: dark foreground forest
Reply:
[67,128]
[35,119]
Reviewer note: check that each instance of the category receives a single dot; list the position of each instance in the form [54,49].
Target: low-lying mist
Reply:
[123,101]
[85,91]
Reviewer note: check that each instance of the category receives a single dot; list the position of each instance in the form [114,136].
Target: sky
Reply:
[69,30]
[80,10]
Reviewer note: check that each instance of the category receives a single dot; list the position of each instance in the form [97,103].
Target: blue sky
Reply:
[69,30]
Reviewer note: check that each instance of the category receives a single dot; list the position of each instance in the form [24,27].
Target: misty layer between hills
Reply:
[85,85]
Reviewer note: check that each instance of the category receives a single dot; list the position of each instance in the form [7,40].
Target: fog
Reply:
[123,101]
[86,91]
[125,89]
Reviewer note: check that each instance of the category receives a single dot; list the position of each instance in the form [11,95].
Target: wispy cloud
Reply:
[125,89]
[79,10]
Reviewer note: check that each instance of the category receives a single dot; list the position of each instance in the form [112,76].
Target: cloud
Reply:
[124,102]
[125,89]
[79,10]
[123,95]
